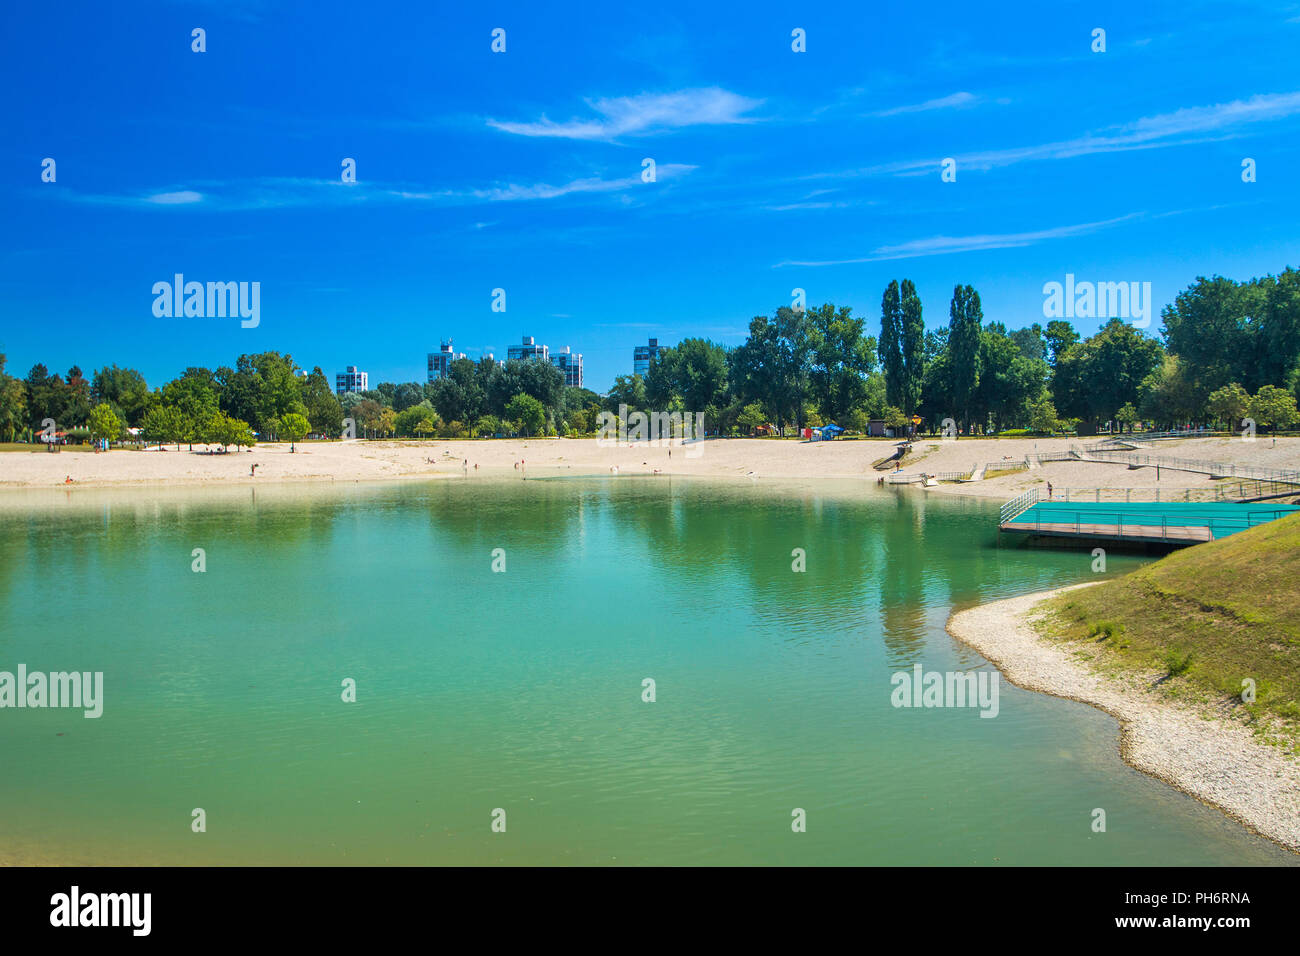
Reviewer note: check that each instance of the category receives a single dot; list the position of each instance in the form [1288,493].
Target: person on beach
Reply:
[67,480]
[252,472]
[1049,491]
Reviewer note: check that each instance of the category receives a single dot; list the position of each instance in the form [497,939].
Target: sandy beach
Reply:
[359,460]
[1218,761]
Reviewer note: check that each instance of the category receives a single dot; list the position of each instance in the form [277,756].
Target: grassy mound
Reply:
[1210,617]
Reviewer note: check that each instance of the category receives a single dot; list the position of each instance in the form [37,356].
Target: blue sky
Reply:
[476,170]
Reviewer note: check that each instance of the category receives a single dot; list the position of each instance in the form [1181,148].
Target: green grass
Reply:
[999,472]
[1207,618]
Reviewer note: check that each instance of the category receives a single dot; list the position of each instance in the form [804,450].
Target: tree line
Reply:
[1226,351]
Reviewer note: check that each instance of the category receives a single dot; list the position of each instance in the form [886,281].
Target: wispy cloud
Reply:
[954,101]
[643,114]
[283,193]
[947,245]
[1151,132]
[182,197]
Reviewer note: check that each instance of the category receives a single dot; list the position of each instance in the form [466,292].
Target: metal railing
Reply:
[1216,469]
[1018,505]
[1157,436]
[1240,490]
[901,479]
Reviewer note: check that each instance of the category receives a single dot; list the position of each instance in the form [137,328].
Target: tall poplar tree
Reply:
[965,319]
[890,346]
[913,348]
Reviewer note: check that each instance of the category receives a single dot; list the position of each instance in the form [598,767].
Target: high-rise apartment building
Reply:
[352,380]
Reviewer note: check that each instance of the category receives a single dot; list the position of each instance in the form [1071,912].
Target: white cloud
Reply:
[285,192]
[644,113]
[592,184]
[180,198]
[945,245]
[1150,132]
[953,101]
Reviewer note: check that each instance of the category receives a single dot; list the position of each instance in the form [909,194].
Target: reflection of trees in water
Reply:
[546,517]
[113,535]
[903,565]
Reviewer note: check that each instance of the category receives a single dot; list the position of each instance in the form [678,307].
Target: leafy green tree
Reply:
[124,389]
[1098,376]
[773,363]
[751,417]
[324,410]
[840,359]
[165,423]
[13,404]
[47,397]
[1165,395]
[406,395]
[1008,380]
[691,376]
[194,395]
[627,390]
[1060,335]
[1041,416]
[367,413]
[1208,328]
[418,420]
[1030,342]
[1228,405]
[1127,416]
[77,410]
[1273,407]
[293,429]
[104,423]
[528,411]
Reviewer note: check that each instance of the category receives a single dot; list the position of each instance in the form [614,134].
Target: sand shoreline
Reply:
[1219,762]
[359,461]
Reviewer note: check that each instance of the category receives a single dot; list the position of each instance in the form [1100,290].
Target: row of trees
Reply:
[806,367]
[1226,351]
[267,394]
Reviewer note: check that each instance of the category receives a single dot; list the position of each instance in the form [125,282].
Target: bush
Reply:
[1177,664]
[1107,631]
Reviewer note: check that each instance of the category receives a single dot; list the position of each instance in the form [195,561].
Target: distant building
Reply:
[642,356]
[528,351]
[570,363]
[353,380]
[440,361]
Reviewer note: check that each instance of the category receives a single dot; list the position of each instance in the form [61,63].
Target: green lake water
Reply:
[522,690]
